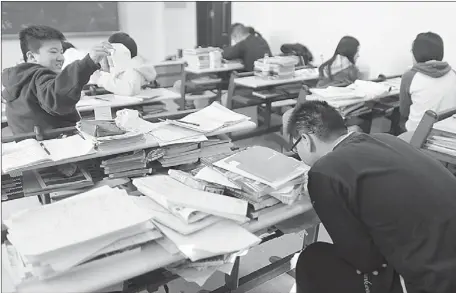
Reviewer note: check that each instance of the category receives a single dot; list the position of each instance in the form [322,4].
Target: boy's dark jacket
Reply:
[37,96]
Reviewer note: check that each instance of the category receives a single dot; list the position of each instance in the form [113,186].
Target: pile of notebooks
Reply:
[247,175]
[198,58]
[195,220]
[443,137]
[180,154]
[277,67]
[65,236]
[105,134]
[126,165]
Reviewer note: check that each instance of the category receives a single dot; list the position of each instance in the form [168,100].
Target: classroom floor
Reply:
[256,258]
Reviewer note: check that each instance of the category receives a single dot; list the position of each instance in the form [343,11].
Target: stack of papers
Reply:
[193,219]
[210,119]
[168,133]
[256,174]
[444,139]
[126,165]
[180,154]
[54,239]
[197,58]
[30,152]
[114,141]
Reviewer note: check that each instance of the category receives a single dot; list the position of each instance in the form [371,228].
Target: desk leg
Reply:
[395,118]
[267,117]
[44,199]
[183,89]
[230,94]
[232,281]
[310,236]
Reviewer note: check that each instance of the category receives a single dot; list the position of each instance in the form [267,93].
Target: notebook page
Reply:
[68,147]
[24,153]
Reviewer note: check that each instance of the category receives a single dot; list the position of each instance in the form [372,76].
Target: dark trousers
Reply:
[321,270]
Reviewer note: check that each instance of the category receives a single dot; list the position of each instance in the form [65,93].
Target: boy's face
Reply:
[50,55]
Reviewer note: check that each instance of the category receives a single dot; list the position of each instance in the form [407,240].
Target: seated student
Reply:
[38,92]
[341,68]
[128,71]
[429,85]
[248,46]
[388,207]
[71,54]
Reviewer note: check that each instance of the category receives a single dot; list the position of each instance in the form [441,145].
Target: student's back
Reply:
[249,47]
[406,201]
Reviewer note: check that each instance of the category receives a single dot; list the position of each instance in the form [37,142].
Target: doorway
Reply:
[213,23]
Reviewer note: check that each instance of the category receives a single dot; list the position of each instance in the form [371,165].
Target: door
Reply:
[213,21]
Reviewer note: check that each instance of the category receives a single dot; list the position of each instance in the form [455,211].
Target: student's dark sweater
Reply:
[384,201]
[248,50]
[37,96]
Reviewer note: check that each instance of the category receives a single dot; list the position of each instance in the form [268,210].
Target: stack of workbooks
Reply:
[126,165]
[278,67]
[443,137]
[195,220]
[180,154]
[259,175]
[63,237]
[198,58]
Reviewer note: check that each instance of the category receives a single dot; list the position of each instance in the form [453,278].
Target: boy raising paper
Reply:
[38,92]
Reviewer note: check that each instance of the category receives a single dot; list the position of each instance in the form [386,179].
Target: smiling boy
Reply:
[38,92]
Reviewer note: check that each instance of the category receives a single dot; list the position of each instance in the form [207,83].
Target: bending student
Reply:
[38,92]
[249,46]
[389,209]
[128,71]
[429,85]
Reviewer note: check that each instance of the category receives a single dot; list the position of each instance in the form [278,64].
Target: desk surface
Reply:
[226,67]
[149,142]
[89,103]
[113,270]
[258,82]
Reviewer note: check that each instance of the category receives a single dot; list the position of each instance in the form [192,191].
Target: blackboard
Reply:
[68,17]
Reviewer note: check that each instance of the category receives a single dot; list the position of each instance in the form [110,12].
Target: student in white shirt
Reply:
[124,72]
[429,85]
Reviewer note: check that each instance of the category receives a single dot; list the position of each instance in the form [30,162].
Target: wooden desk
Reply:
[115,269]
[226,67]
[256,82]
[149,142]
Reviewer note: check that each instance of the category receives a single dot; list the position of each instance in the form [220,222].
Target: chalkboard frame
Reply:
[68,35]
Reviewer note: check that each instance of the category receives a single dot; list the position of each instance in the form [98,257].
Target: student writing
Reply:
[388,207]
[38,92]
[128,71]
[429,85]
[249,46]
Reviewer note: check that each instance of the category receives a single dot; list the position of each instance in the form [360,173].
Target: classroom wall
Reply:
[157,29]
[385,30]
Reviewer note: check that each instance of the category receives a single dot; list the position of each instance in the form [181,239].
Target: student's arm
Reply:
[58,94]
[234,52]
[350,237]
[405,98]
[127,83]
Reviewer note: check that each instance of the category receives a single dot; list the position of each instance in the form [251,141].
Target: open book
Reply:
[30,152]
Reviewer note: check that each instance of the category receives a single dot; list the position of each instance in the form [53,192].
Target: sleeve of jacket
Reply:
[405,98]
[234,52]
[351,239]
[59,94]
[126,83]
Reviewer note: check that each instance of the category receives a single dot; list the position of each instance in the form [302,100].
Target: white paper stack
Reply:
[211,118]
[198,58]
[54,239]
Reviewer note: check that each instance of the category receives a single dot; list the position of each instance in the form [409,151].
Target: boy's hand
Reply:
[100,51]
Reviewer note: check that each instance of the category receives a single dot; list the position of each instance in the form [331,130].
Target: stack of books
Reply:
[216,145]
[198,58]
[278,67]
[126,165]
[63,237]
[443,137]
[180,154]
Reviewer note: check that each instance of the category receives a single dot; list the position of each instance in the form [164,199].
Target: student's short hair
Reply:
[67,45]
[427,46]
[126,40]
[31,38]
[318,118]
[239,28]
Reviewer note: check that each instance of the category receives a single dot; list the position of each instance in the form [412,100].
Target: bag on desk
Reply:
[94,90]
[98,128]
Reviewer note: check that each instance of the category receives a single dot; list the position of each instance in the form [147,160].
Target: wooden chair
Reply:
[425,129]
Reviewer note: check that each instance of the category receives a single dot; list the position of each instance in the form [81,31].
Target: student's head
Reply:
[348,47]
[42,45]
[126,40]
[315,126]
[239,32]
[427,46]
[66,46]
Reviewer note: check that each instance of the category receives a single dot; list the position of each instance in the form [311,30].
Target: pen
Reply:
[44,147]
[81,135]
[190,123]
